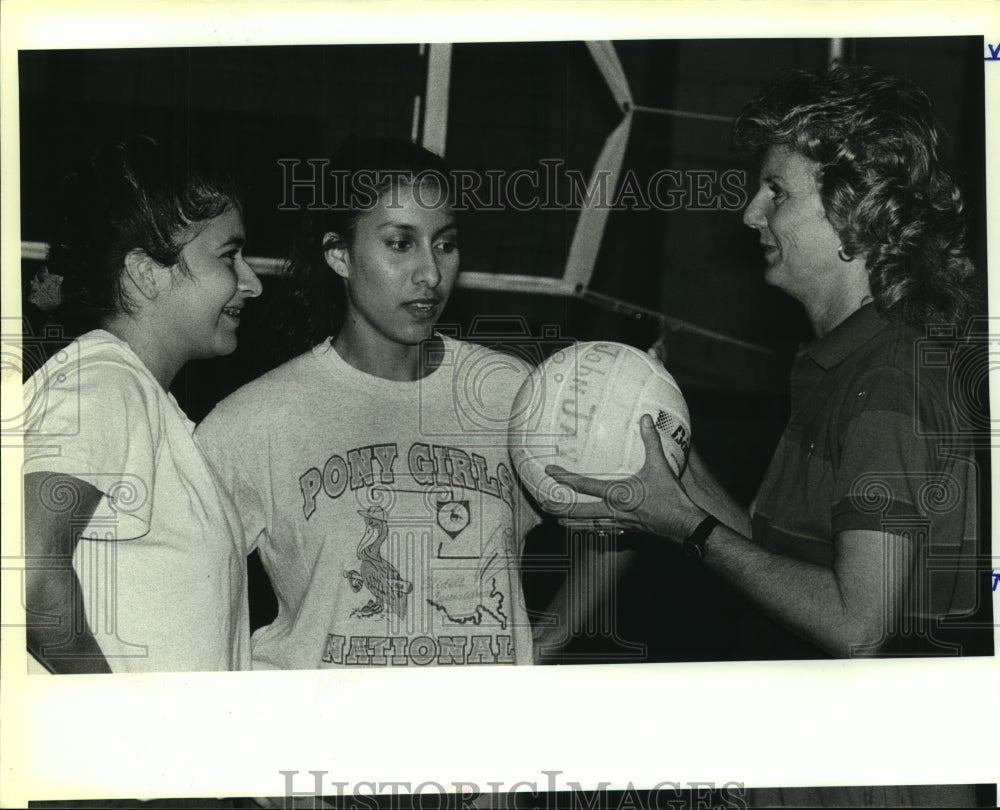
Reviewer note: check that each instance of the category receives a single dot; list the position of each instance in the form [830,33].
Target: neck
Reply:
[830,313]
[380,358]
[150,350]
[825,321]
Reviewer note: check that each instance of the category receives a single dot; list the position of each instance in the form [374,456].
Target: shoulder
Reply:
[896,346]
[897,360]
[277,384]
[482,371]
[472,355]
[269,397]
[97,371]
[904,372]
[97,408]
[94,353]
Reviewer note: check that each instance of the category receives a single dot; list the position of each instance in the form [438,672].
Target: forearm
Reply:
[856,600]
[55,507]
[807,598]
[706,491]
[57,631]
[588,584]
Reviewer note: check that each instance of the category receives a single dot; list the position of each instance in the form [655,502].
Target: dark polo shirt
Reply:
[871,444]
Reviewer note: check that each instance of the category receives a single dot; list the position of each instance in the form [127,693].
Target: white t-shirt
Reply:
[161,561]
[387,513]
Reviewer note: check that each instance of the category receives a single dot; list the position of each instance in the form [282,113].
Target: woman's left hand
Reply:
[652,501]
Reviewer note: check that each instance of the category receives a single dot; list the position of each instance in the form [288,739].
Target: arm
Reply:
[587,585]
[223,450]
[56,508]
[705,490]
[592,573]
[838,608]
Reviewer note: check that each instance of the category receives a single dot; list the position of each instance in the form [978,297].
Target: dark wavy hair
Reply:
[881,180]
[361,171]
[132,194]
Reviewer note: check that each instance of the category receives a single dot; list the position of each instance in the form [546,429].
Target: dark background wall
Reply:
[511,106]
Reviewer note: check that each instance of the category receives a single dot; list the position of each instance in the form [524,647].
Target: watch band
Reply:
[694,545]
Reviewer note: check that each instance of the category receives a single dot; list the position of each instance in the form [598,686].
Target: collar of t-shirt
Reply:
[842,341]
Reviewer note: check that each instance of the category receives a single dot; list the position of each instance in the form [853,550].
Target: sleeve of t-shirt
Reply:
[100,424]
[889,464]
[224,450]
[527,515]
[526,512]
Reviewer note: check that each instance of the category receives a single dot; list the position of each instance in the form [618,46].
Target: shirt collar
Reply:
[856,330]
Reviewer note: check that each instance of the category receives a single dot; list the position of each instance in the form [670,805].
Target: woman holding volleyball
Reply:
[860,223]
[135,559]
[372,469]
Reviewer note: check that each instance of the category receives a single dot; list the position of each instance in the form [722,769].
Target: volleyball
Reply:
[580,409]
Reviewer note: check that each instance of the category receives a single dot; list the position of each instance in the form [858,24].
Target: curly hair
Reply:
[881,181]
[133,194]
[363,169]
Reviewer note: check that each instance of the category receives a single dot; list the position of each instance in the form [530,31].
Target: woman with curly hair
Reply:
[866,512]
[872,146]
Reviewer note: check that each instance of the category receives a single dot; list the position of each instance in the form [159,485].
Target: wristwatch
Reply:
[694,545]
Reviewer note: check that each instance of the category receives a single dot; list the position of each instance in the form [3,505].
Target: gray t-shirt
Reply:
[387,514]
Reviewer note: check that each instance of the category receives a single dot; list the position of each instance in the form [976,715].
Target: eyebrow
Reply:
[236,240]
[451,225]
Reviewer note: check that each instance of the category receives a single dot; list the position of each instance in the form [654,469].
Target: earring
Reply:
[844,257]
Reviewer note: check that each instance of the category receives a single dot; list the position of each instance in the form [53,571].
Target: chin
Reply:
[772,276]
[416,338]
[224,346]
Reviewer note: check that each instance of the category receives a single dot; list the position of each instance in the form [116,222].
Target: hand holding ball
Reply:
[580,409]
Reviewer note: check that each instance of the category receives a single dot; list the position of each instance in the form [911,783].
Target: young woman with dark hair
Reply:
[134,556]
[372,470]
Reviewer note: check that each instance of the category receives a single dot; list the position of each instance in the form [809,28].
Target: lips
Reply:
[423,308]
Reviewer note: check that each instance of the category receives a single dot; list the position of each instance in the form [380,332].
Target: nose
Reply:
[755,214]
[426,271]
[246,279]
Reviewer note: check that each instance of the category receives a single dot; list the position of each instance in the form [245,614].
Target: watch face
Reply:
[694,549]
[453,516]
[695,544]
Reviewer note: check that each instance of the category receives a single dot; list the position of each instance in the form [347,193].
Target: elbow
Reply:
[48,608]
[861,636]
[43,596]
[36,643]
